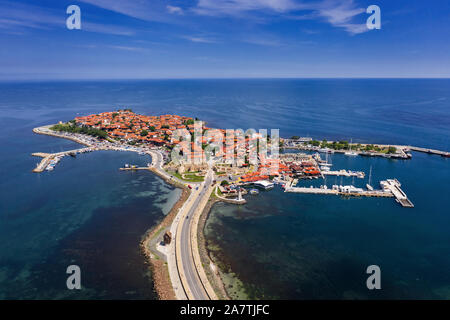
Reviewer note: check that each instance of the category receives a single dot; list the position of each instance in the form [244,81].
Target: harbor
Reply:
[444,154]
[390,189]
[303,166]
[365,150]
[344,173]
[50,160]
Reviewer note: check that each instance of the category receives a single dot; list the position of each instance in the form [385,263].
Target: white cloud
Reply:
[128,48]
[147,10]
[234,7]
[174,10]
[341,13]
[338,13]
[20,17]
[17,17]
[199,39]
[107,29]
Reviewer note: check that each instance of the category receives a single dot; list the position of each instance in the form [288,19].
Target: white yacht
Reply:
[368,185]
[264,184]
[350,152]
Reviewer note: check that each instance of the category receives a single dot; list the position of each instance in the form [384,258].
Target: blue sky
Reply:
[223,39]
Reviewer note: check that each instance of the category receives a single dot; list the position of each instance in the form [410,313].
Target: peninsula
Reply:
[175,248]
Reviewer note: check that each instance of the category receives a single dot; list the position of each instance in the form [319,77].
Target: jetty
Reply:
[393,186]
[429,151]
[390,189]
[49,157]
[134,168]
[341,190]
[344,173]
[311,190]
[402,151]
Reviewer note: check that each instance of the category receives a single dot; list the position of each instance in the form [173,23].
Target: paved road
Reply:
[158,165]
[194,283]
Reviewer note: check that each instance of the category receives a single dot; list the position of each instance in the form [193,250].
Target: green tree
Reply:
[144,133]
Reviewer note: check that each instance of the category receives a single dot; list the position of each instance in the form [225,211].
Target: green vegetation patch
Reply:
[188,177]
[69,127]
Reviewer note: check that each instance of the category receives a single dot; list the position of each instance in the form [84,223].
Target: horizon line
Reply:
[217,78]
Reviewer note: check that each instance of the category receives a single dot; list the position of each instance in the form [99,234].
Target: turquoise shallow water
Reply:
[86,212]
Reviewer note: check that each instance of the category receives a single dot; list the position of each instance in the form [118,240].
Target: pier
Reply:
[48,157]
[336,191]
[344,173]
[429,151]
[311,190]
[402,151]
[390,189]
[393,186]
[133,169]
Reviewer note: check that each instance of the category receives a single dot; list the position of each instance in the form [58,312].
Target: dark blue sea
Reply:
[278,246]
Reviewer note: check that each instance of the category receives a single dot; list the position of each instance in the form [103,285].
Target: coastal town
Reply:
[215,178]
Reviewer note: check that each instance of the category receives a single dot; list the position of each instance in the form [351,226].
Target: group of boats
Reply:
[53,163]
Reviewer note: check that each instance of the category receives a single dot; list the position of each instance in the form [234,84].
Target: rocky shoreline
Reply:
[158,267]
[213,275]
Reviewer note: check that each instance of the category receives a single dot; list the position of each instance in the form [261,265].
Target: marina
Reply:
[390,189]
[50,160]
[444,154]
[344,173]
